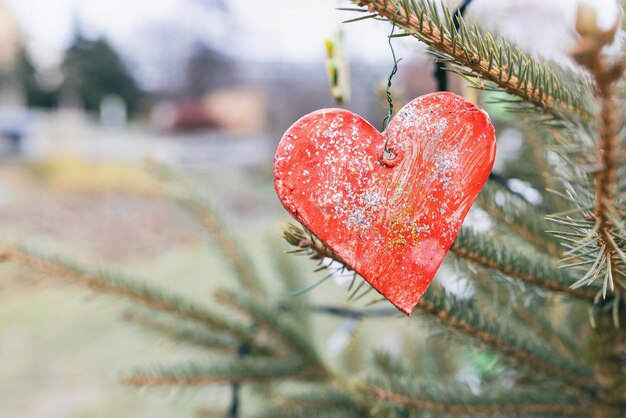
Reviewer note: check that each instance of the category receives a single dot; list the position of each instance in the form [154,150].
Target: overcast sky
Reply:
[268,29]
[274,29]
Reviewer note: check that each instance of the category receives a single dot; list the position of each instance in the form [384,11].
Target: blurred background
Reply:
[90,90]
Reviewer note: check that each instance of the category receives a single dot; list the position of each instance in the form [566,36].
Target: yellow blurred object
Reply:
[337,68]
[329,48]
[71,173]
[587,20]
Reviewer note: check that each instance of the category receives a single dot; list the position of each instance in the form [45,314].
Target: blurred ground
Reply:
[62,349]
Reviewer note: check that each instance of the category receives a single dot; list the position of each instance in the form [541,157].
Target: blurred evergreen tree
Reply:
[36,95]
[93,69]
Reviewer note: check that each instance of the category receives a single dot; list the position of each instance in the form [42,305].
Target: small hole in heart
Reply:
[389,157]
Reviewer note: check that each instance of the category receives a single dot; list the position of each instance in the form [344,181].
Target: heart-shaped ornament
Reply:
[391,219]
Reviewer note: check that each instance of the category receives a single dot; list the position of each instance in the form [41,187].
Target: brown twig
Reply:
[468,410]
[588,53]
[151,380]
[141,380]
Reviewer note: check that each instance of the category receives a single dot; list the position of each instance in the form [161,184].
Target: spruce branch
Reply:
[607,355]
[292,280]
[538,269]
[314,410]
[290,276]
[521,217]
[486,251]
[273,322]
[209,219]
[522,348]
[123,287]
[406,395]
[527,309]
[463,319]
[183,332]
[608,221]
[316,402]
[479,58]
[308,244]
[540,172]
[249,369]
[389,364]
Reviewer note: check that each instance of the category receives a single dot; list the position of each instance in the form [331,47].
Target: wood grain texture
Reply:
[392,221]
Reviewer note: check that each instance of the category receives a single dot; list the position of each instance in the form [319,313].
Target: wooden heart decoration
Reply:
[391,219]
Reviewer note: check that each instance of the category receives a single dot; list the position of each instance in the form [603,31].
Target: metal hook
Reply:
[388,153]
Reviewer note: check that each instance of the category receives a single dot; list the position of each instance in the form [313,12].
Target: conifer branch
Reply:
[308,244]
[607,347]
[183,332]
[390,365]
[123,287]
[455,400]
[462,317]
[606,179]
[315,410]
[588,53]
[485,62]
[293,280]
[294,338]
[528,311]
[521,217]
[535,140]
[241,370]
[538,270]
[316,402]
[207,216]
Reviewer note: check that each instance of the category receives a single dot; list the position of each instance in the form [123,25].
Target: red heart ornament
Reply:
[391,220]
